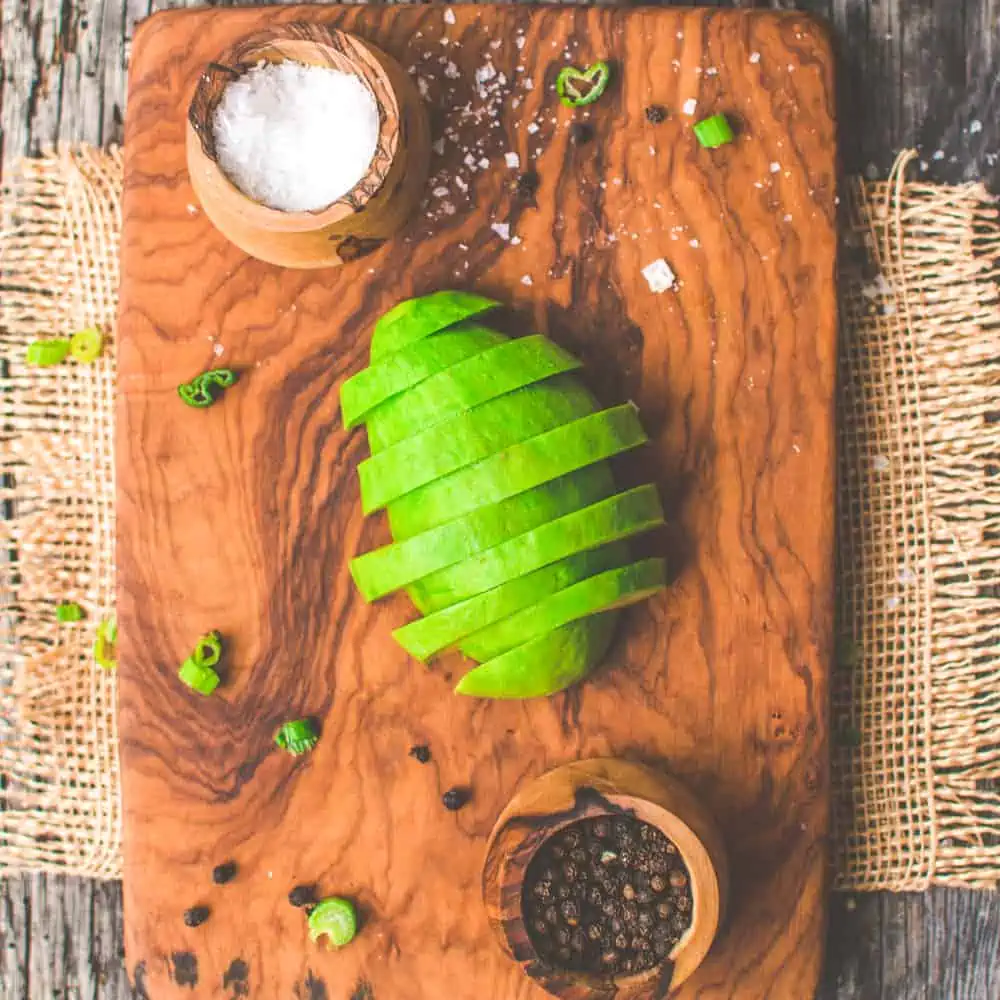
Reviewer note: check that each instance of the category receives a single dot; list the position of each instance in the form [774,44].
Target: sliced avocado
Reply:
[614,588]
[470,437]
[522,466]
[546,665]
[393,566]
[606,521]
[371,386]
[426,636]
[493,372]
[415,319]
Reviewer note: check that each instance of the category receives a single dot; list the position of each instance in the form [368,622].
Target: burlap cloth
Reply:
[916,688]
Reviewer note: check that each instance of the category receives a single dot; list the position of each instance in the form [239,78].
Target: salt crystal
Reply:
[192,209]
[515,241]
[448,208]
[690,106]
[526,280]
[217,350]
[529,84]
[451,71]
[532,128]
[519,41]
[440,192]
[512,160]
[470,160]
[711,71]
[449,16]
[658,276]
[775,167]
[755,57]
[461,184]
[975,126]
[695,244]
[422,87]
[294,137]
[502,229]
[484,163]
[438,147]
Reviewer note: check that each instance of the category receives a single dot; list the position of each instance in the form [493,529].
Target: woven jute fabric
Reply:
[916,689]
[59,779]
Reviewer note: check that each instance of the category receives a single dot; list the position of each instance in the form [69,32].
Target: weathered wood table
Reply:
[913,72]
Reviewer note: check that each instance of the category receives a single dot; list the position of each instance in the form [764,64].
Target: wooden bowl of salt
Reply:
[605,880]
[306,146]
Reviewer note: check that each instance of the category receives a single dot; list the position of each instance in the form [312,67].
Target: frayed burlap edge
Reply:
[59,779]
[916,694]
[916,698]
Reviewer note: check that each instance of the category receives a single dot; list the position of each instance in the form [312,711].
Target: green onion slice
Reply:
[203,389]
[68,611]
[297,737]
[714,132]
[45,353]
[105,642]
[578,87]
[86,345]
[208,650]
[334,918]
[198,677]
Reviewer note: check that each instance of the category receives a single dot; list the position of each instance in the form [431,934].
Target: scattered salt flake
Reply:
[515,104]
[502,229]
[449,16]
[440,192]
[975,126]
[192,209]
[532,128]
[512,160]
[787,217]
[695,244]
[484,163]
[528,83]
[463,246]
[526,280]
[938,154]
[690,106]
[515,241]
[796,449]
[791,67]
[460,183]
[438,147]
[881,464]
[422,86]
[451,71]
[658,276]
[470,160]
[775,168]
[520,41]
[755,57]
[652,151]
[448,208]
[712,71]
[218,350]
[496,43]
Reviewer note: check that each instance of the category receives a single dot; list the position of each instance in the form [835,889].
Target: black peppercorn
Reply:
[581,133]
[678,879]
[455,798]
[196,916]
[562,935]
[226,872]
[655,114]
[657,883]
[628,891]
[302,895]
[621,942]
[541,927]
[594,932]
[570,912]
[421,753]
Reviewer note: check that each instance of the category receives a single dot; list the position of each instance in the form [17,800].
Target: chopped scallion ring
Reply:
[104,643]
[297,737]
[68,611]
[45,353]
[198,677]
[86,345]
[336,919]
[579,87]
[714,132]
[208,650]
[203,389]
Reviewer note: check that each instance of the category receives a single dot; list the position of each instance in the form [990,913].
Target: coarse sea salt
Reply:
[658,276]
[296,137]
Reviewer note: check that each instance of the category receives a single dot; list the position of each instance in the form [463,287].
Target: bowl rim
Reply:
[321,40]
[707,878]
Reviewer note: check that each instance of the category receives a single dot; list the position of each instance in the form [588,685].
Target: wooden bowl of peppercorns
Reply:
[605,880]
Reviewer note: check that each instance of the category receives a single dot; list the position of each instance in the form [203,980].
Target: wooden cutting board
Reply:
[243,517]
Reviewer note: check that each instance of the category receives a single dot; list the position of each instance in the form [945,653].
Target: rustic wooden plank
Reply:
[947,80]
[733,376]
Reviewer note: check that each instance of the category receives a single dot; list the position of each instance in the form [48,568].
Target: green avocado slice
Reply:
[426,636]
[546,665]
[470,437]
[614,588]
[606,521]
[414,319]
[393,566]
[371,386]
[491,373]
[522,466]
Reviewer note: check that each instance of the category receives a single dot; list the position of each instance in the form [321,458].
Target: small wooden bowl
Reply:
[367,215]
[604,788]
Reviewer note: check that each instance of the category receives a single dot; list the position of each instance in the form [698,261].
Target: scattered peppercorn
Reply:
[196,916]
[226,872]
[302,895]
[421,753]
[581,133]
[618,909]
[655,114]
[455,798]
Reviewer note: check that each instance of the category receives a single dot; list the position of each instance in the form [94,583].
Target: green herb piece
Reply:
[578,87]
[45,353]
[208,650]
[68,611]
[204,389]
[335,919]
[297,737]
[104,643]
[714,132]
[86,345]
[198,677]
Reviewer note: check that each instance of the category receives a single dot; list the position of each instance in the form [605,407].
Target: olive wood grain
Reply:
[243,517]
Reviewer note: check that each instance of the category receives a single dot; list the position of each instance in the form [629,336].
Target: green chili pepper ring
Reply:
[595,78]
[204,389]
[336,919]
[297,737]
